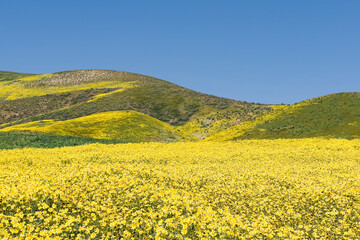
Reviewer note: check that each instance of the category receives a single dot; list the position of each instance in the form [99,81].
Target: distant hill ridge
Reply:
[180,114]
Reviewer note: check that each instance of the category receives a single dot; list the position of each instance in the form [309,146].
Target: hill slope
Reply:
[73,94]
[10,76]
[127,126]
[123,106]
[335,115]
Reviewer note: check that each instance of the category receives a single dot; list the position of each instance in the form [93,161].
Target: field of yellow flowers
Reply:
[262,189]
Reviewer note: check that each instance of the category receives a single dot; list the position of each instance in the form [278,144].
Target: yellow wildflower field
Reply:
[262,189]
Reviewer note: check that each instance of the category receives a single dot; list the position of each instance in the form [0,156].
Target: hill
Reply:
[10,76]
[127,107]
[128,126]
[335,115]
[74,94]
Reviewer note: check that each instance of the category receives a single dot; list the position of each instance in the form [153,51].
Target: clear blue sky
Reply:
[265,51]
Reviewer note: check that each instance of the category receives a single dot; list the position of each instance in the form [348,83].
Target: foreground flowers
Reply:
[232,190]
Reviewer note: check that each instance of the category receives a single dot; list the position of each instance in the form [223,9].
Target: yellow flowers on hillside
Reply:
[125,125]
[251,189]
[20,88]
[241,129]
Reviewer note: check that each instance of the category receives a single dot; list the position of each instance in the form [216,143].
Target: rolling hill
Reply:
[10,76]
[84,106]
[128,126]
[331,116]
[71,95]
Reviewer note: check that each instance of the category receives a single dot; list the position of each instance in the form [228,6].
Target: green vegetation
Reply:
[335,115]
[11,140]
[168,103]
[10,76]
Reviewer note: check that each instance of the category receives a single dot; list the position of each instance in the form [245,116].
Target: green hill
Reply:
[73,94]
[10,76]
[335,115]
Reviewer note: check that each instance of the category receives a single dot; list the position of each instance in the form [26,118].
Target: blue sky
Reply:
[264,51]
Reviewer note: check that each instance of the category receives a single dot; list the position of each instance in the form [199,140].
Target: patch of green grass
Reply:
[10,76]
[11,140]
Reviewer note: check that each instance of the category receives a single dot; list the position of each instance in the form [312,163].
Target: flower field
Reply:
[262,189]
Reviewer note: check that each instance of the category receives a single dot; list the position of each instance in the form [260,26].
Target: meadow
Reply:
[262,189]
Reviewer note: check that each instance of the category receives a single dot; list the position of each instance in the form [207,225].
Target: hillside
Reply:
[335,115]
[128,126]
[73,94]
[10,76]
[127,107]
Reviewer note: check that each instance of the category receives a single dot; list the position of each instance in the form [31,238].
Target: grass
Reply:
[9,76]
[11,140]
